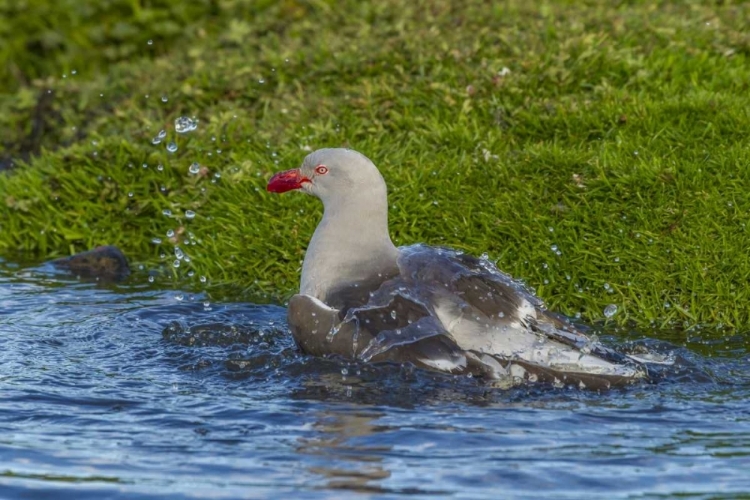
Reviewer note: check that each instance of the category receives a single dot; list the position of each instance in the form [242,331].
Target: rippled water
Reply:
[126,392]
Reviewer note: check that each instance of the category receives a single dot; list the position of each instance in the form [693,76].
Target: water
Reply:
[610,311]
[125,392]
[183,124]
[159,137]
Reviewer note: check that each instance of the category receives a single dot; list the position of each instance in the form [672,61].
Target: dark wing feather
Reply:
[312,325]
[493,298]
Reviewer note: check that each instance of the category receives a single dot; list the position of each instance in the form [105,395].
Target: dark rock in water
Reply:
[105,262]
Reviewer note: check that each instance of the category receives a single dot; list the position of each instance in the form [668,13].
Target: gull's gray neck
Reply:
[351,244]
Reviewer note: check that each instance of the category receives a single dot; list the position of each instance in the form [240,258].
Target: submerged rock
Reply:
[104,262]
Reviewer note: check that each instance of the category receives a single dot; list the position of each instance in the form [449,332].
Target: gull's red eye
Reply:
[321,170]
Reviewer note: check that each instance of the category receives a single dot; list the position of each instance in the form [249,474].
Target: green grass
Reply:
[617,133]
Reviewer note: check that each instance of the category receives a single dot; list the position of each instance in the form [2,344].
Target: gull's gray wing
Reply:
[455,313]
[320,331]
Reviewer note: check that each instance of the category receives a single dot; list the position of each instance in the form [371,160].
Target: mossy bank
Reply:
[598,152]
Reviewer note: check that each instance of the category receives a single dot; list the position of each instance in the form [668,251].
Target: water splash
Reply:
[184,124]
[159,137]
[610,311]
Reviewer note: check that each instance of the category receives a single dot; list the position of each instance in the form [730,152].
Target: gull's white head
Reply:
[333,175]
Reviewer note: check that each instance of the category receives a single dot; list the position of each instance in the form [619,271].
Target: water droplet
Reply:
[667,305]
[554,248]
[156,241]
[74,72]
[195,167]
[160,167]
[393,314]
[171,147]
[164,98]
[179,253]
[607,286]
[202,279]
[150,279]
[344,371]
[170,233]
[166,212]
[610,310]
[130,195]
[184,124]
[551,229]
[189,214]
[150,42]
[176,263]
[179,297]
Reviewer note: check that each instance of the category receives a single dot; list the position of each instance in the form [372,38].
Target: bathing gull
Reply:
[363,298]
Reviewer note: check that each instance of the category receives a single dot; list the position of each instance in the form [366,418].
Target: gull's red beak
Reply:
[285,181]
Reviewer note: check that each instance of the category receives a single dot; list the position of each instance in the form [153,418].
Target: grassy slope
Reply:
[619,135]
